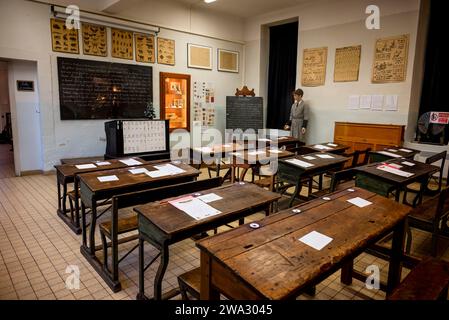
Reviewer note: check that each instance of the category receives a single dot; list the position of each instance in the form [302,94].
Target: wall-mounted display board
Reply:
[122,44]
[390,59]
[314,67]
[228,61]
[94,40]
[103,90]
[347,64]
[63,39]
[175,99]
[166,51]
[199,56]
[145,47]
[244,113]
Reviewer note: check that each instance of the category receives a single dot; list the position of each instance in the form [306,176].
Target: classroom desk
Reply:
[288,141]
[371,178]
[271,263]
[82,160]
[92,191]
[331,147]
[294,174]
[161,224]
[65,174]
[392,153]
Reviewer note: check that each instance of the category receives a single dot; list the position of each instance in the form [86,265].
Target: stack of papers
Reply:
[85,166]
[194,207]
[359,202]
[395,171]
[107,178]
[300,163]
[389,154]
[321,147]
[131,162]
[316,240]
[103,163]
[325,156]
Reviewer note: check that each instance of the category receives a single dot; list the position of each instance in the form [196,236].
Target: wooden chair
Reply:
[430,216]
[128,224]
[190,282]
[429,280]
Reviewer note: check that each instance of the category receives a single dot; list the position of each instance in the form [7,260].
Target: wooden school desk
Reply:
[392,153]
[271,263]
[162,224]
[330,147]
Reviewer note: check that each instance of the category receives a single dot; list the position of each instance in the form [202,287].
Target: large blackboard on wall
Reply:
[244,113]
[103,90]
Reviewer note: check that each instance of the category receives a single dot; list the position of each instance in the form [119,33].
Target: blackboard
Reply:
[103,90]
[244,113]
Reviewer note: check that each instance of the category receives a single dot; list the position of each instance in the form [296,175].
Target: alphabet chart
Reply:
[144,136]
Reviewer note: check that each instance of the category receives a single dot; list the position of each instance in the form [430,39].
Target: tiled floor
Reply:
[36,248]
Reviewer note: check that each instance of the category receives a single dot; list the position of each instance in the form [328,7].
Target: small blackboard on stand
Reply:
[25,85]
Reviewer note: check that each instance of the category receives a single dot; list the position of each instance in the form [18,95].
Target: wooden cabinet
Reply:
[360,136]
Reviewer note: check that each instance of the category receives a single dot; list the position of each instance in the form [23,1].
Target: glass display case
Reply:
[175,99]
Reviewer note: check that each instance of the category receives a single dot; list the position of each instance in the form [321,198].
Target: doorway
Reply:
[6,139]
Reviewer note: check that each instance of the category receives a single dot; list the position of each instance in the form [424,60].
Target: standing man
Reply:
[299,116]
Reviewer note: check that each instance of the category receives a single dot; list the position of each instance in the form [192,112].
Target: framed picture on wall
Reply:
[228,61]
[199,56]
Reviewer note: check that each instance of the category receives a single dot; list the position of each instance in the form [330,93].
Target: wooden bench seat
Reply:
[126,224]
[190,282]
[429,280]
[426,211]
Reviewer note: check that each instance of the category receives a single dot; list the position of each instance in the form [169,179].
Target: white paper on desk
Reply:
[194,207]
[138,170]
[410,164]
[275,151]
[325,156]
[316,240]
[377,102]
[103,163]
[309,157]
[170,169]
[353,102]
[282,138]
[204,149]
[395,171]
[86,166]
[227,145]
[395,165]
[389,154]
[130,162]
[157,173]
[108,178]
[405,150]
[321,147]
[300,163]
[392,150]
[255,153]
[210,197]
[264,140]
[332,144]
[359,202]
[365,102]
[391,103]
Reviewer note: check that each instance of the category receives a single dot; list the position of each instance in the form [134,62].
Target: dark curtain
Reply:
[281,73]
[435,83]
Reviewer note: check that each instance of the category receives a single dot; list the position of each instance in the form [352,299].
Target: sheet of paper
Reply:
[255,153]
[359,202]
[138,170]
[353,102]
[210,197]
[108,178]
[309,157]
[395,171]
[282,138]
[227,145]
[392,150]
[157,173]
[103,163]
[325,156]
[264,140]
[405,150]
[410,164]
[332,145]
[85,166]
[365,102]
[377,102]
[389,154]
[194,207]
[321,147]
[316,240]
[204,149]
[130,162]
[395,165]
[275,151]
[170,169]
[391,103]
[300,163]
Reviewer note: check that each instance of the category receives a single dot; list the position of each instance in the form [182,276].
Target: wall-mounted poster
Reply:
[390,59]
[145,47]
[199,56]
[347,63]
[314,67]
[122,44]
[228,61]
[94,40]
[166,51]
[63,39]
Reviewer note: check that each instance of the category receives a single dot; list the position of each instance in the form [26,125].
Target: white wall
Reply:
[336,24]
[4,94]
[25,34]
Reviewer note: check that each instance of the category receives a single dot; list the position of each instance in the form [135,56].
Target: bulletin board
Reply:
[144,136]
[166,51]
[390,59]
[314,67]
[347,63]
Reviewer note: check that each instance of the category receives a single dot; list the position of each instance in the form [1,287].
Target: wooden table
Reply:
[161,224]
[92,191]
[294,174]
[271,263]
[334,147]
[65,174]
[82,160]
[255,158]
[388,153]
[371,178]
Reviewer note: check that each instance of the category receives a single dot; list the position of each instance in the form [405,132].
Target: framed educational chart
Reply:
[122,44]
[63,39]
[199,56]
[94,40]
[347,64]
[175,99]
[204,104]
[145,47]
[314,67]
[228,61]
[166,51]
[390,59]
